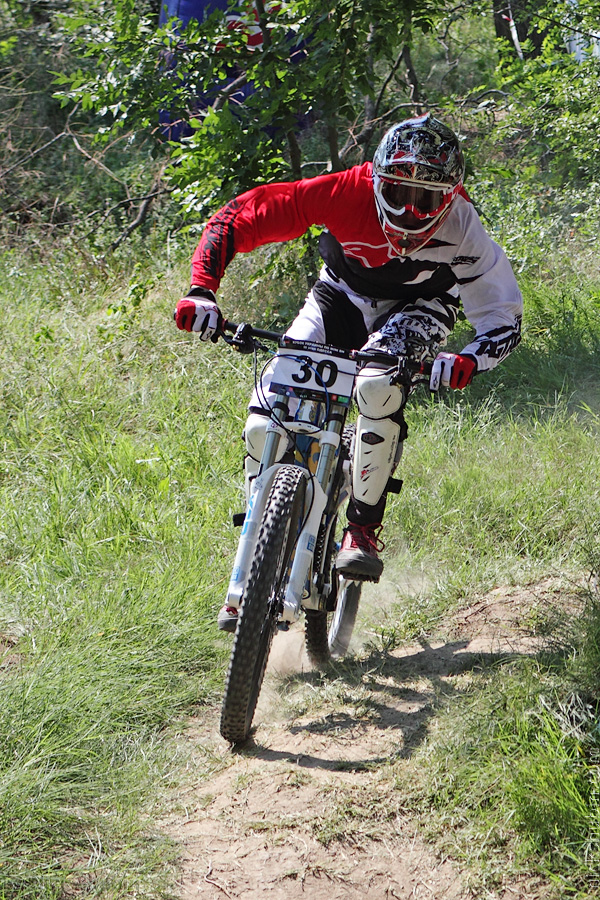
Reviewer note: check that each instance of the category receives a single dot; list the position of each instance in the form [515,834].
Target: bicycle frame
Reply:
[286,560]
[322,420]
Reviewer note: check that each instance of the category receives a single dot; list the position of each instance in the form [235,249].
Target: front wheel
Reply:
[261,603]
[328,634]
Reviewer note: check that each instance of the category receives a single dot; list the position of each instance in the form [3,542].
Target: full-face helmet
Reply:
[418,170]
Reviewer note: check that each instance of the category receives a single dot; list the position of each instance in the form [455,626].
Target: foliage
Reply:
[344,71]
[551,121]
[116,492]
[55,180]
[533,145]
[529,126]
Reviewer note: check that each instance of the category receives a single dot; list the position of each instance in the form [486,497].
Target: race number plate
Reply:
[314,376]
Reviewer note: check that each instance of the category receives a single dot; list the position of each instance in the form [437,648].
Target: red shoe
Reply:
[358,558]
[227,618]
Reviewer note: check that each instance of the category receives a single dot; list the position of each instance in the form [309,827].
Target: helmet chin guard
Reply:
[418,170]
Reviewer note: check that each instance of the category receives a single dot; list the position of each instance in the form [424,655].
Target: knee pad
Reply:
[375,396]
[377,451]
[255,433]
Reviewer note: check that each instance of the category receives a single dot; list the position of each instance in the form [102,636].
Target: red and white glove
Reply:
[452,370]
[201,314]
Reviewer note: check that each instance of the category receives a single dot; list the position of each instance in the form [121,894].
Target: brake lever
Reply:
[408,376]
[403,374]
[242,339]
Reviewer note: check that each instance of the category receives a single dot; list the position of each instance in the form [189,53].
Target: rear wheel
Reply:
[343,617]
[328,634]
[261,603]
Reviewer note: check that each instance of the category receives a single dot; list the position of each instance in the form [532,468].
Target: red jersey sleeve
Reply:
[272,213]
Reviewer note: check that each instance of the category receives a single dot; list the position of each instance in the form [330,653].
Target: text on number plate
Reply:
[314,375]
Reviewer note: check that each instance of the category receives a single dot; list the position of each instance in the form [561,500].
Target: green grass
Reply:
[120,469]
[119,474]
[490,497]
[509,778]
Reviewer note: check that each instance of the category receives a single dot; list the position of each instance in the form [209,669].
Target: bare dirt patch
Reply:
[7,656]
[311,807]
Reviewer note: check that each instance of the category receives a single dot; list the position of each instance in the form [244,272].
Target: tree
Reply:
[555,102]
[54,178]
[325,76]
[517,27]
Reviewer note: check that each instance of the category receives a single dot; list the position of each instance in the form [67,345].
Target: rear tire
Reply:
[343,617]
[261,603]
[327,634]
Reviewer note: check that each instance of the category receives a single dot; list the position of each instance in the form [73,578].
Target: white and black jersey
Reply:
[363,281]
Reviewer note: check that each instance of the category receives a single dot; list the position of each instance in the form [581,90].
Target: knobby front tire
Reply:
[261,603]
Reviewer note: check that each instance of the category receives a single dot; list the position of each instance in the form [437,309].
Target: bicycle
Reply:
[285,561]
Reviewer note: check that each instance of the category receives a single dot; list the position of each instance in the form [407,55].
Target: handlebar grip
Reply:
[232,328]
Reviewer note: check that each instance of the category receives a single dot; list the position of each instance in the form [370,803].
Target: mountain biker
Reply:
[402,247]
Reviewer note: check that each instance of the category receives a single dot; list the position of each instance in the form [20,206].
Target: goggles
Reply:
[424,202]
[412,207]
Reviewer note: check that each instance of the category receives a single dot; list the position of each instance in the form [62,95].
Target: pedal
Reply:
[394,485]
[238,519]
[358,576]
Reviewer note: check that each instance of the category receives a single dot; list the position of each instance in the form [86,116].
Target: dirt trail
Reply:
[311,809]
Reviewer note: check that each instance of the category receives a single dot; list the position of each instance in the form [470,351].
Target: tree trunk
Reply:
[411,77]
[334,149]
[295,156]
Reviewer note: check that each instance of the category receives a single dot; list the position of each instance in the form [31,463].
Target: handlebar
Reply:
[244,335]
